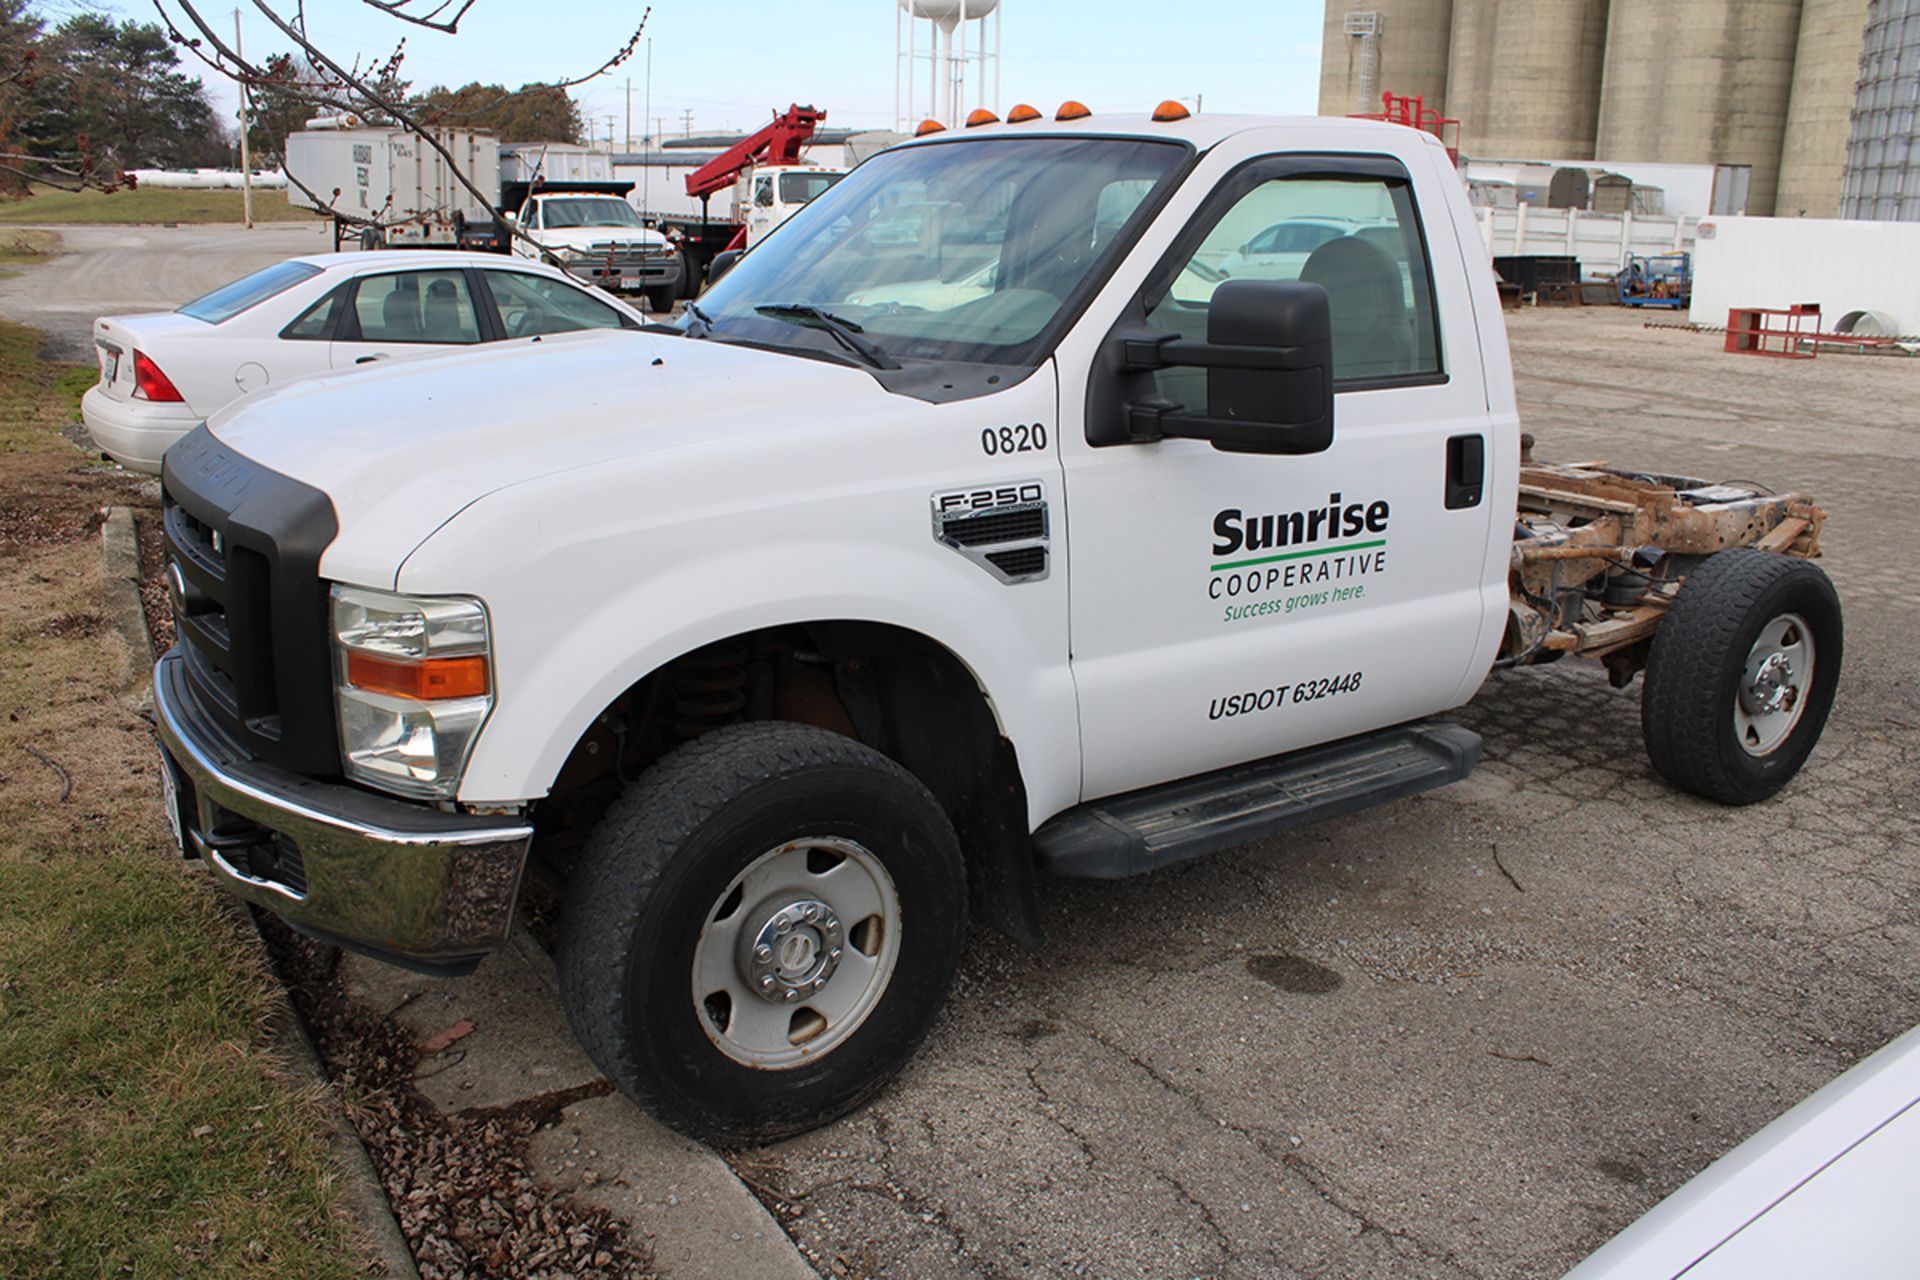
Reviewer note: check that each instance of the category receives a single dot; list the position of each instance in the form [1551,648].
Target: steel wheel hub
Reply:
[797,952]
[1774,684]
[794,952]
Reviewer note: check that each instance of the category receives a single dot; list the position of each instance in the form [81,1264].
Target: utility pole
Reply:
[610,119]
[246,161]
[629,113]
[646,110]
[686,121]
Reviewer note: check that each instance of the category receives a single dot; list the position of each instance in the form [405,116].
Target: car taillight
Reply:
[151,384]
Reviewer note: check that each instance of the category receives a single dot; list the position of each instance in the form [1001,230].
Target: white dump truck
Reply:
[981,525]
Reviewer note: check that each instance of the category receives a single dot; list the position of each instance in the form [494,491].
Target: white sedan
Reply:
[1828,1189]
[163,374]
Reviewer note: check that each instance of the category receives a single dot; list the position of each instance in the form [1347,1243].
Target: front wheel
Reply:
[1742,675]
[761,931]
[660,301]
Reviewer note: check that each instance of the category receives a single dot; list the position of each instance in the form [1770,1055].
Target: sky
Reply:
[731,65]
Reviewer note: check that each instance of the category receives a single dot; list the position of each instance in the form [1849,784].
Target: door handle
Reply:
[369,359]
[1466,471]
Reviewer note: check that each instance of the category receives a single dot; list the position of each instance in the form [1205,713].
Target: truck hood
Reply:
[587,237]
[402,449]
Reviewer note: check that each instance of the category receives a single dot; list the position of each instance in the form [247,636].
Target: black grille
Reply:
[244,547]
[997,526]
[1020,562]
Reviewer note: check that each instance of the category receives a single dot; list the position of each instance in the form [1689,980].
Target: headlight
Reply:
[566,254]
[413,682]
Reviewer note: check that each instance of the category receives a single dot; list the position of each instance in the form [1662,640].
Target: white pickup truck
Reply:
[597,237]
[782,641]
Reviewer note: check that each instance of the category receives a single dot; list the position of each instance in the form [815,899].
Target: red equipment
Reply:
[776,144]
[1416,114]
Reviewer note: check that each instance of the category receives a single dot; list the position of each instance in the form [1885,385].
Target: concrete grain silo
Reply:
[1825,71]
[1387,46]
[1882,175]
[1523,76]
[1700,82]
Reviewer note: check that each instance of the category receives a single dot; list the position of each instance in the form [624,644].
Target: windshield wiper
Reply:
[700,318]
[845,331]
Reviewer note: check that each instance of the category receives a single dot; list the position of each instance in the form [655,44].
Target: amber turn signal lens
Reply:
[929,126]
[1071,110]
[1169,111]
[1023,113]
[981,115]
[427,681]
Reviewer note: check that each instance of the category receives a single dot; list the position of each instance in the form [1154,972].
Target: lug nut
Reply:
[783,922]
[819,983]
[763,953]
[813,913]
[834,954]
[792,994]
[766,982]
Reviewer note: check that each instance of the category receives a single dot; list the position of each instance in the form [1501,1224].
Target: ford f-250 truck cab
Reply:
[981,522]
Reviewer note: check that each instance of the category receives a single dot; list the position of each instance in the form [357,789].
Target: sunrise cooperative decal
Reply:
[1279,564]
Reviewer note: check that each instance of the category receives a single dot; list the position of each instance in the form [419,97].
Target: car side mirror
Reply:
[1268,357]
[722,263]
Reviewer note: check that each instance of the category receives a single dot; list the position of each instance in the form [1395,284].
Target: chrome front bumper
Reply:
[396,880]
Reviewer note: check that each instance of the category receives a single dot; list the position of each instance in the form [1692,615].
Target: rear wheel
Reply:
[761,931]
[1742,675]
[661,300]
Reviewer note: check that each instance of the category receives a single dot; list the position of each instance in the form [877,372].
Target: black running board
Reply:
[1140,831]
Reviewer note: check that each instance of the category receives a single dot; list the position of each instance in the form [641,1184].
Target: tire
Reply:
[1738,608]
[661,300]
[653,895]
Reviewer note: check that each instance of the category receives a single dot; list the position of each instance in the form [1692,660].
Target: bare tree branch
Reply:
[350,88]
[398,9]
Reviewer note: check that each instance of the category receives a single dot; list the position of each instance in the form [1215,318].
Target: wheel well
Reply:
[897,691]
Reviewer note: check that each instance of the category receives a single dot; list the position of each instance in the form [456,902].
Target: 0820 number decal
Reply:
[1023,438]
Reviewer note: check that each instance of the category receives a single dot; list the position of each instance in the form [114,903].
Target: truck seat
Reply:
[1371,334]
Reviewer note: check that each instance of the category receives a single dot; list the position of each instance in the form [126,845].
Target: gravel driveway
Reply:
[117,270]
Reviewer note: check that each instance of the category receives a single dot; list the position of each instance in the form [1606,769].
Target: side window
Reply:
[763,192]
[416,306]
[532,305]
[1358,237]
[316,322]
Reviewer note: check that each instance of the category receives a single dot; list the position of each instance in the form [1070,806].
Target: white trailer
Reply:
[551,162]
[393,178]
[1864,275]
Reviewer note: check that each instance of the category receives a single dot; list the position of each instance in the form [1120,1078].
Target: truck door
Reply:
[1230,606]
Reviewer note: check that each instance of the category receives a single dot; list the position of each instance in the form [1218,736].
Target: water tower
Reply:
[945,60]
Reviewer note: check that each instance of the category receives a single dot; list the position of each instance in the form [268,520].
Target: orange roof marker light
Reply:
[929,126]
[1169,111]
[980,116]
[1022,113]
[1071,110]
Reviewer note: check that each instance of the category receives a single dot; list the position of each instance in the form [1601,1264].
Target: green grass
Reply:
[149,1130]
[147,204]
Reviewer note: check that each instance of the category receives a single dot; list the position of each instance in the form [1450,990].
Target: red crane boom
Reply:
[777,143]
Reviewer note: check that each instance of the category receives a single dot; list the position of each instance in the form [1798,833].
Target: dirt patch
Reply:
[460,1184]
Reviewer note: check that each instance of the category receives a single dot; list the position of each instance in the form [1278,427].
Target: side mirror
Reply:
[511,216]
[1268,357]
[722,263]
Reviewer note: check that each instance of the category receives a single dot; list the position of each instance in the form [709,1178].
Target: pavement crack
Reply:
[1323,1185]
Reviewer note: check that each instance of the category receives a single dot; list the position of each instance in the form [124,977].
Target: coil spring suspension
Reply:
[709,690]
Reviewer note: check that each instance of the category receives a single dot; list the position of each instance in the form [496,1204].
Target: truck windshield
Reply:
[606,211]
[952,251]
